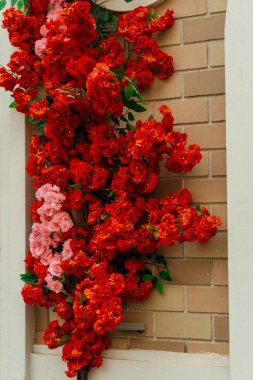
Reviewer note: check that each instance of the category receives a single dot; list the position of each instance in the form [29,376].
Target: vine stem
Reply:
[82,374]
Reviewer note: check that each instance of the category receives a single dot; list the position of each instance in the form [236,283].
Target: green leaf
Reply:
[82,299]
[151,117]
[129,92]
[123,118]
[13,2]
[165,275]
[114,20]
[159,258]
[69,299]
[136,93]
[128,1]
[111,193]
[132,104]
[151,229]
[2,4]
[64,292]
[20,4]
[130,116]
[147,271]
[29,278]
[146,277]
[198,208]
[115,120]
[151,13]
[39,128]
[76,186]
[131,127]
[159,287]
[46,290]
[13,105]
[49,100]
[95,10]
[103,217]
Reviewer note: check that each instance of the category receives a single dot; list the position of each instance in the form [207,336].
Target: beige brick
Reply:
[207,299]
[172,299]
[221,327]
[146,317]
[203,28]
[164,88]
[157,345]
[41,318]
[119,343]
[207,190]
[171,36]
[200,170]
[190,272]
[221,212]
[207,136]
[183,8]
[166,186]
[217,5]
[218,162]
[218,108]
[191,56]
[54,316]
[181,325]
[204,82]
[176,251]
[187,111]
[220,272]
[215,247]
[217,53]
[216,348]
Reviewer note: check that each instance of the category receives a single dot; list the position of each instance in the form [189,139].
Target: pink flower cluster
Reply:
[53,14]
[48,234]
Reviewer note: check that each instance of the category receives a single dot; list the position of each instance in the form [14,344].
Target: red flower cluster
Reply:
[139,22]
[149,61]
[93,165]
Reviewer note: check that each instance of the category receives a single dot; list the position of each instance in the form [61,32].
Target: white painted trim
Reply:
[136,364]
[239,92]
[14,336]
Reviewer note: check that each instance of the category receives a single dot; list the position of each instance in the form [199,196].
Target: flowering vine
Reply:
[77,75]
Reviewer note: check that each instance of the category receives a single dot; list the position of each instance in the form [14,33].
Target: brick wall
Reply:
[192,314]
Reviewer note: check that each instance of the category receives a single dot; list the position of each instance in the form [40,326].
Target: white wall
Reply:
[15,338]
[136,364]
[239,89]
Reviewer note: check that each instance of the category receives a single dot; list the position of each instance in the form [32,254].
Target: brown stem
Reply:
[82,374]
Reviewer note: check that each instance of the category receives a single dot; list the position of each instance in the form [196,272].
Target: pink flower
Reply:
[39,240]
[54,285]
[47,257]
[57,3]
[55,268]
[67,252]
[43,30]
[54,14]
[53,200]
[40,47]
[60,222]
[43,190]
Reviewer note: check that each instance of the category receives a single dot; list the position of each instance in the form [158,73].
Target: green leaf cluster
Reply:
[29,278]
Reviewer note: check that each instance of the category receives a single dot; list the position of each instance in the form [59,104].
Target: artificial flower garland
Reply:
[95,226]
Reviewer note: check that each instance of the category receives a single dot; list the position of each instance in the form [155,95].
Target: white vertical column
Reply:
[14,336]
[239,89]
